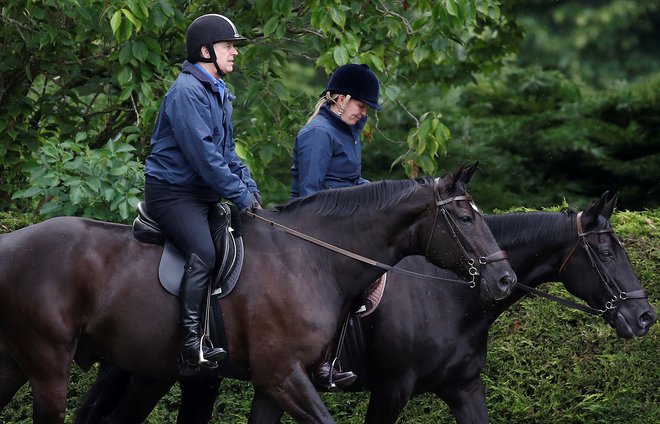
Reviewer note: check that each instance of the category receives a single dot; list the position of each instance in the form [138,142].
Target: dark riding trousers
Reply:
[183,213]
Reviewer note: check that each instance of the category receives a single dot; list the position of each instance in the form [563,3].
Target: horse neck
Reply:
[534,242]
[381,232]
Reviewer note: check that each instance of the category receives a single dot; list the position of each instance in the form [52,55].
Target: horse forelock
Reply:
[523,228]
[359,199]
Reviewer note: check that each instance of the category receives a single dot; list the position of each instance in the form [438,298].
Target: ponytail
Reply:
[329,97]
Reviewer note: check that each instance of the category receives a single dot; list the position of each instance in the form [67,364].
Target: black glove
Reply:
[257,197]
[254,204]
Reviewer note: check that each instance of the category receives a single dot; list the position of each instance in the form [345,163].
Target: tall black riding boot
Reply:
[192,300]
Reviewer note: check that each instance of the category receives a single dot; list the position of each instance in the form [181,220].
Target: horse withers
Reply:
[441,345]
[70,284]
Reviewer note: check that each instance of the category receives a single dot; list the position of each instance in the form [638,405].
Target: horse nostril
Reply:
[505,283]
[646,319]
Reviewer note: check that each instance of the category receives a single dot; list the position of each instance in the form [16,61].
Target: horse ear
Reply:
[467,172]
[608,209]
[592,213]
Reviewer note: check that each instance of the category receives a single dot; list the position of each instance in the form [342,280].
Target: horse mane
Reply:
[358,199]
[521,228]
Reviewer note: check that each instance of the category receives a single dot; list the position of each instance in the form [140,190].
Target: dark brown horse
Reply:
[440,346]
[77,286]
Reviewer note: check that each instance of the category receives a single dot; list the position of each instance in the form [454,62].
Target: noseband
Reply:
[455,230]
[617,293]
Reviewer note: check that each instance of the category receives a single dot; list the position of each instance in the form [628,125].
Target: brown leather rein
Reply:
[455,230]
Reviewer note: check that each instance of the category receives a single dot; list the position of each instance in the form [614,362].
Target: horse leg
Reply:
[48,372]
[197,400]
[387,400]
[467,402]
[264,410]
[104,395]
[140,397]
[294,393]
[12,378]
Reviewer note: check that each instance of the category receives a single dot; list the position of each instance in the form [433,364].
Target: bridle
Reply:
[614,289]
[455,230]
[451,224]
[618,294]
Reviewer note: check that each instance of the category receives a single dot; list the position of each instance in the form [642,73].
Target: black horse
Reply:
[440,346]
[72,286]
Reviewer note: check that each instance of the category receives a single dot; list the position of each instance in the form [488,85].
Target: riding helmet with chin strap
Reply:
[357,80]
[207,30]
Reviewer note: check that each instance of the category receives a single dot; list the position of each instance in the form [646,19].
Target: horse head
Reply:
[473,247]
[604,276]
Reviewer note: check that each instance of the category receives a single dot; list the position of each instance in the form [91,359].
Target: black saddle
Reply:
[228,247]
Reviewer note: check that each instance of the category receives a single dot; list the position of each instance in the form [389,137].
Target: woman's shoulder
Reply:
[316,128]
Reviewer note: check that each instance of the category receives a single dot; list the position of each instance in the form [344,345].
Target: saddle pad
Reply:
[373,295]
[172,262]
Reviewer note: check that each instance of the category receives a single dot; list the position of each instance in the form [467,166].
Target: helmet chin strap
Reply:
[213,59]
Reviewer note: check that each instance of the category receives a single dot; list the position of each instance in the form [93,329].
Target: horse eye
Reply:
[465,218]
[606,254]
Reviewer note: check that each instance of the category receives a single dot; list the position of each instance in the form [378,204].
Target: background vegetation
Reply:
[555,99]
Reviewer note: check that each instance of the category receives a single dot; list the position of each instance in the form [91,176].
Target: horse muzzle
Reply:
[500,289]
[630,322]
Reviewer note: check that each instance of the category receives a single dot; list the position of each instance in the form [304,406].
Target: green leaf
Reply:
[28,193]
[140,50]
[166,7]
[452,9]
[125,75]
[340,55]
[271,25]
[115,21]
[240,151]
[420,53]
[120,170]
[136,22]
[125,54]
[338,16]
[125,148]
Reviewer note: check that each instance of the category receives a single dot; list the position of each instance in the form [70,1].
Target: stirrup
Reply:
[209,353]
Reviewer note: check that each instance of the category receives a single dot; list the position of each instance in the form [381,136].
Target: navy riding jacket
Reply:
[192,144]
[327,154]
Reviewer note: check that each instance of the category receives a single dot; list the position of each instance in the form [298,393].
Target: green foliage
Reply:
[70,179]
[540,137]
[597,42]
[64,76]
[101,67]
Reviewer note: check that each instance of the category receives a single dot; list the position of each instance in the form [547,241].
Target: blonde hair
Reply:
[329,97]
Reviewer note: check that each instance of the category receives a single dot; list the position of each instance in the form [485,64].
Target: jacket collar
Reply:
[204,77]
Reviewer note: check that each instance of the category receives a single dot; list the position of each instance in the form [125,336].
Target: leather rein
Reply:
[454,229]
[597,266]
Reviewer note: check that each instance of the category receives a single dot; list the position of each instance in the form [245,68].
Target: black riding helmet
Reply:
[206,31]
[357,80]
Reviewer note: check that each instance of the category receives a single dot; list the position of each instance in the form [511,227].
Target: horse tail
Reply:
[104,395]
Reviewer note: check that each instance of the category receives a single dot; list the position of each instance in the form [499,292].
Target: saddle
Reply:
[228,247]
